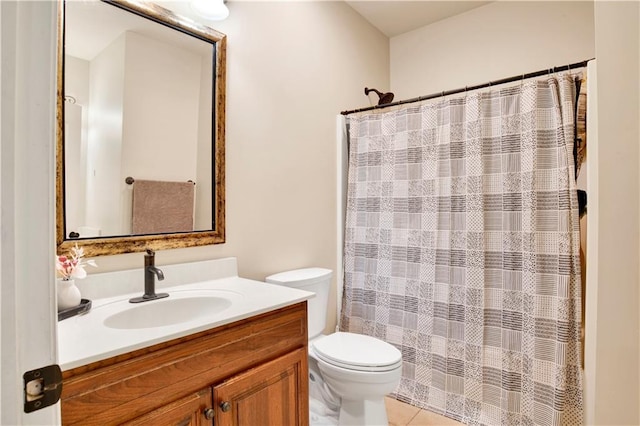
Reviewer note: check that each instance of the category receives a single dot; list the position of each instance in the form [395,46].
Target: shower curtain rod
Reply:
[479,86]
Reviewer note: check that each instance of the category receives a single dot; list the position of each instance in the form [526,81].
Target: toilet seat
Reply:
[357,352]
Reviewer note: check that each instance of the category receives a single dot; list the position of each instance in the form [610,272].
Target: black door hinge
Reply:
[42,387]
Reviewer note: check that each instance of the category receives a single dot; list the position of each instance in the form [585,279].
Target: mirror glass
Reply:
[141,128]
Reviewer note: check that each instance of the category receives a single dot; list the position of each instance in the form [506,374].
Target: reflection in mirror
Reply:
[141,149]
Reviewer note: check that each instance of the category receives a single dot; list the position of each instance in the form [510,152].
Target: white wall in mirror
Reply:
[204,154]
[104,143]
[145,102]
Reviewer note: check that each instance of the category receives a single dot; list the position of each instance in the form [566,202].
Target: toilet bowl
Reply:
[359,370]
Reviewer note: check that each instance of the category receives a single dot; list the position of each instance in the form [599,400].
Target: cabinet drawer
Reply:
[188,411]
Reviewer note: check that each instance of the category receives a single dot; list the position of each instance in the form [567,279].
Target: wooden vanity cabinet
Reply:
[252,372]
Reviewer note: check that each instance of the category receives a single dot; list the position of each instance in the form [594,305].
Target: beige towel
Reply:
[162,207]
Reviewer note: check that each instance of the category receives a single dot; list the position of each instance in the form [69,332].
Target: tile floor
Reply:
[401,414]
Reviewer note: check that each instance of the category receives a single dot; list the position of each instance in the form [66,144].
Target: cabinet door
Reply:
[275,393]
[192,410]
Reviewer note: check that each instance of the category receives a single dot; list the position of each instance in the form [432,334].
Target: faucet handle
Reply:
[149,258]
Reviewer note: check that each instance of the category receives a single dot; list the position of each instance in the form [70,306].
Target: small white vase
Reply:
[68,294]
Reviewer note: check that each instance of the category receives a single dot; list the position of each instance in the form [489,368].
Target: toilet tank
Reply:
[316,280]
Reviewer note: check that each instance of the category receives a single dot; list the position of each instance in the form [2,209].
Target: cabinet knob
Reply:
[225,406]
[208,413]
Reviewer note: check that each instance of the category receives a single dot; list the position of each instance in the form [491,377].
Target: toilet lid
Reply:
[357,352]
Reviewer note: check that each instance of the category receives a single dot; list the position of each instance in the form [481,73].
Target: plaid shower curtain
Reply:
[462,250]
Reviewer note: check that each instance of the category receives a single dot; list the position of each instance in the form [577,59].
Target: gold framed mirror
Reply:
[140,98]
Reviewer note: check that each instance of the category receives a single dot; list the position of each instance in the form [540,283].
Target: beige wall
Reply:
[616,354]
[291,68]
[499,40]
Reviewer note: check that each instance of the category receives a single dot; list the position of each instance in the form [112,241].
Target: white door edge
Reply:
[27,244]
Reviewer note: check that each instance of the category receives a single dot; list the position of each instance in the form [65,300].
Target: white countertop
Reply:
[85,339]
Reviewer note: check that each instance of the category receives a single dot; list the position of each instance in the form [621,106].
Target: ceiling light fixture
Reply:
[215,10]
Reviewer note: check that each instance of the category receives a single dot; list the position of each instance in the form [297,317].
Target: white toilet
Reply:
[359,369]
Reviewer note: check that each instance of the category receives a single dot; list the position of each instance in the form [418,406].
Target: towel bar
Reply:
[129,180]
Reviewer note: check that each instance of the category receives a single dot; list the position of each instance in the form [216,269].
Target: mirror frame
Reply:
[130,244]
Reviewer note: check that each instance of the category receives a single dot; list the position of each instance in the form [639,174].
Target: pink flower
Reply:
[73,266]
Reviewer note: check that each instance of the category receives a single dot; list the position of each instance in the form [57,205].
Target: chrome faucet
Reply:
[150,274]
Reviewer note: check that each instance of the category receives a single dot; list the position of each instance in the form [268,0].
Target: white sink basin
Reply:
[168,311]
